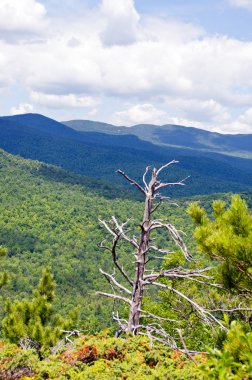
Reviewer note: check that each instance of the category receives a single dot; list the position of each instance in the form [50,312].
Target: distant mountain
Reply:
[176,136]
[98,155]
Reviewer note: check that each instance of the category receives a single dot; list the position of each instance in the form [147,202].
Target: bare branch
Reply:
[156,206]
[159,250]
[119,267]
[166,166]
[123,235]
[122,322]
[168,184]
[157,258]
[178,272]
[185,348]
[107,227]
[155,276]
[205,283]
[131,181]
[113,251]
[150,315]
[144,177]
[114,296]
[206,315]
[175,236]
[163,199]
[156,332]
[110,278]
[70,334]
[231,310]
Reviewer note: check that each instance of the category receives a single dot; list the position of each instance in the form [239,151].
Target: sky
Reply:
[126,62]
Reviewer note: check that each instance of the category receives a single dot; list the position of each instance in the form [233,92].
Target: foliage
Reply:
[102,358]
[227,238]
[234,360]
[3,275]
[50,217]
[181,314]
[34,322]
[48,220]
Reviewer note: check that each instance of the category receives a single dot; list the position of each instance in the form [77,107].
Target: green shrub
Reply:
[234,361]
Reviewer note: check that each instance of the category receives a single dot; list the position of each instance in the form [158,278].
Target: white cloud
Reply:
[110,52]
[169,30]
[148,114]
[247,4]
[5,80]
[63,101]
[121,22]
[240,124]
[207,111]
[140,114]
[93,112]
[207,68]
[19,18]
[6,72]
[246,117]
[170,58]
[22,108]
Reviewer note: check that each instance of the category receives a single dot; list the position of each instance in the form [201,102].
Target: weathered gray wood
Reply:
[142,248]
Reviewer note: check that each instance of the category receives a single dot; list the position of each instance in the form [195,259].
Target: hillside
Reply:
[239,145]
[99,155]
[48,219]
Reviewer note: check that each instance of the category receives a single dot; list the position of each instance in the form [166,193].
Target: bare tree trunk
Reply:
[133,290]
[138,286]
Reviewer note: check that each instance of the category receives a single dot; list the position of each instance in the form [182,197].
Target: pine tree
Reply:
[227,238]
[35,321]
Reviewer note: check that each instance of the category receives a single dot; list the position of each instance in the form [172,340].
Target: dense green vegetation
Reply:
[49,218]
[102,357]
[34,322]
[227,238]
[49,222]
[44,222]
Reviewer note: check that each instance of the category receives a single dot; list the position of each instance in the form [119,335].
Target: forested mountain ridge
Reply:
[239,145]
[98,155]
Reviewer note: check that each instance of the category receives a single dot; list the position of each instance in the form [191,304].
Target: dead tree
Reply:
[143,247]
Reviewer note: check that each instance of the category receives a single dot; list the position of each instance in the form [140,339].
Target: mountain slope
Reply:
[175,135]
[50,218]
[98,155]
[49,221]
[39,123]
